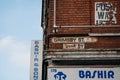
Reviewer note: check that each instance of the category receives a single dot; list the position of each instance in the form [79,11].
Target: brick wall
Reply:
[73,12]
[82,13]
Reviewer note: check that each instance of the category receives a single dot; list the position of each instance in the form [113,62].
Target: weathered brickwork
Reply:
[72,12]
[81,12]
[78,34]
[75,18]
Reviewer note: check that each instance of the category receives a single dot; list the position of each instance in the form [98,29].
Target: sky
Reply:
[20,22]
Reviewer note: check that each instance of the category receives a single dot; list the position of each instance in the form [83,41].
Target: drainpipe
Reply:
[55,14]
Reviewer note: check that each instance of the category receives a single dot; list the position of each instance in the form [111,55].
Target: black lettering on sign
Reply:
[100,15]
